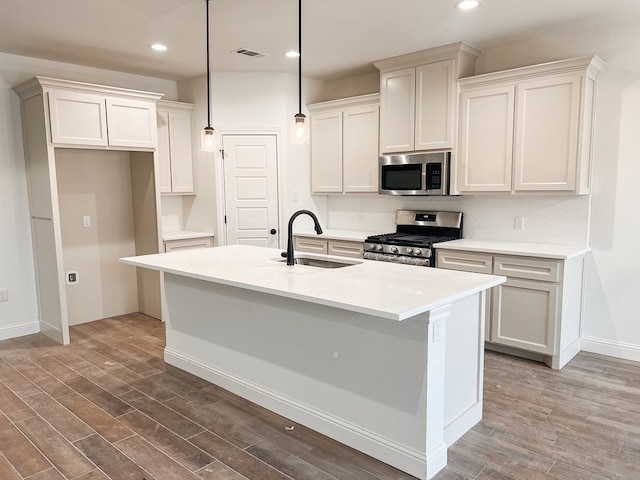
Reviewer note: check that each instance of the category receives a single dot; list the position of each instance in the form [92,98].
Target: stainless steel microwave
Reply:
[415,174]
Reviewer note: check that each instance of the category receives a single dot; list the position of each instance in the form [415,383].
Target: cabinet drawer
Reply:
[310,245]
[346,249]
[187,243]
[528,268]
[464,261]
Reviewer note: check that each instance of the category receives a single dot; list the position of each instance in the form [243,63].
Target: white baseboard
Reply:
[399,456]
[625,351]
[14,331]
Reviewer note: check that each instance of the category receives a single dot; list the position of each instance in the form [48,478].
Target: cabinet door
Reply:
[360,149]
[77,118]
[131,123]
[397,110]
[434,106]
[486,139]
[163,152]
[181,154]
[345,248]
[546,139]
[310,245]
[524,315]
[326,152]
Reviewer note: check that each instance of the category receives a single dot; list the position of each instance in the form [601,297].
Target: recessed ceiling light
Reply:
[291,54]
[467,4]
[158,47]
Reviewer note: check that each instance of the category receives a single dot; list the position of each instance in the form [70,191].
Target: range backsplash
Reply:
[562,220]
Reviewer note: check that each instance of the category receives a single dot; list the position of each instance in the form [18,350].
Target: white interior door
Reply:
[251,190]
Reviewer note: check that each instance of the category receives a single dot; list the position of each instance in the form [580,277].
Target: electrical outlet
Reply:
[86,221]
[4,295]
[73,277]
[518,223]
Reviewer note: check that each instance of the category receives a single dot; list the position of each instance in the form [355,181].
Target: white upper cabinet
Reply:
[344,145]
[175,154]
[131,123]
[486,139]
[89,115]
[78,118]
[418,102]
[529,129]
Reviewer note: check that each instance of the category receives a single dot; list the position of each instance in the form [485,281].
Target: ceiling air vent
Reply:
[249,53]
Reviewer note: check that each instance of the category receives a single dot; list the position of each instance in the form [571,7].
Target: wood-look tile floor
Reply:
[107,407]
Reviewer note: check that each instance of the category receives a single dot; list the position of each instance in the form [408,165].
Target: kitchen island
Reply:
[384,358]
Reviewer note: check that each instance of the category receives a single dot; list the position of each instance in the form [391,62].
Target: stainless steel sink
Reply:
[323,263]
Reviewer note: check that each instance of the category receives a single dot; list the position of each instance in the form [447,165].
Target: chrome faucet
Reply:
[290,259]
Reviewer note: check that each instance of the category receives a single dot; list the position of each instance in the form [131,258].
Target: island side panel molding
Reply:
[464,366]
[359,379]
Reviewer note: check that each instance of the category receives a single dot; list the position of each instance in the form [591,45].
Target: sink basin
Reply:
[322,262]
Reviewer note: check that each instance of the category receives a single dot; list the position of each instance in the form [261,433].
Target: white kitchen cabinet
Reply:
[537,312]
[344,145]
[175,154]
[58,115]
[339,248]
[310,245]
[96,116]
[418,101]
[187,244]
[485,152]
[529,129]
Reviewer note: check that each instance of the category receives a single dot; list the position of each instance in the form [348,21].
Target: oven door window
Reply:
[401,177]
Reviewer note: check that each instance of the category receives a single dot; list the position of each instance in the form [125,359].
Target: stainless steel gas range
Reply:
[416,232]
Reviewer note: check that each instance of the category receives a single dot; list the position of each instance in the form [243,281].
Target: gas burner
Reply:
[416,232]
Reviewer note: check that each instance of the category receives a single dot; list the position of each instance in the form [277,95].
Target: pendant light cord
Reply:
[208,73]
[299,56]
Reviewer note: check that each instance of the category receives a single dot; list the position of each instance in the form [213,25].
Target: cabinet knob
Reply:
[273,231]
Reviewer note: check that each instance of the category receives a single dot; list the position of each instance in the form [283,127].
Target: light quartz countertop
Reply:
[560,252]
[184,235]
[334,234]
[381,289]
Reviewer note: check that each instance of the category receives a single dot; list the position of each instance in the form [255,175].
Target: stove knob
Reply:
[417,251]
[409,250]
[379,248]
[394,249]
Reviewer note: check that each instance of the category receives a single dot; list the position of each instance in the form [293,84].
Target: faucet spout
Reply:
[316,226]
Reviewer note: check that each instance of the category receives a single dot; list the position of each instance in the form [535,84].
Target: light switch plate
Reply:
[4,295]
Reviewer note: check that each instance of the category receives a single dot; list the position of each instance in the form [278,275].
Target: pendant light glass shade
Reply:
[209,141]
[299,129]
[300,124]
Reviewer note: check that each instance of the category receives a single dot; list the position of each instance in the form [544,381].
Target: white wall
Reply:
[19,316]
[246,103]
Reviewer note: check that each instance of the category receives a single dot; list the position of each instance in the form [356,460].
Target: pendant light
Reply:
[300,124]
[209,137]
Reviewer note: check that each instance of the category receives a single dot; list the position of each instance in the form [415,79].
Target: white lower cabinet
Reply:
[538,310]
[339,248]
[187,244]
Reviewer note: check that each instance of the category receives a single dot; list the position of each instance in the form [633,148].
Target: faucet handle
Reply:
[283,254]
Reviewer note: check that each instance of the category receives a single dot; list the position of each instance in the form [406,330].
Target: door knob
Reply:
[273,231]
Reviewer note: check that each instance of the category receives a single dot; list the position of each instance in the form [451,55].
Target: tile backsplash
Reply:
[561,220]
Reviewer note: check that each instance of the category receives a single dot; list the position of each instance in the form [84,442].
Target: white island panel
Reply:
[318,347]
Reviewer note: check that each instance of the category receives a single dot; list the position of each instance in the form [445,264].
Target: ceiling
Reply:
[340,37]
